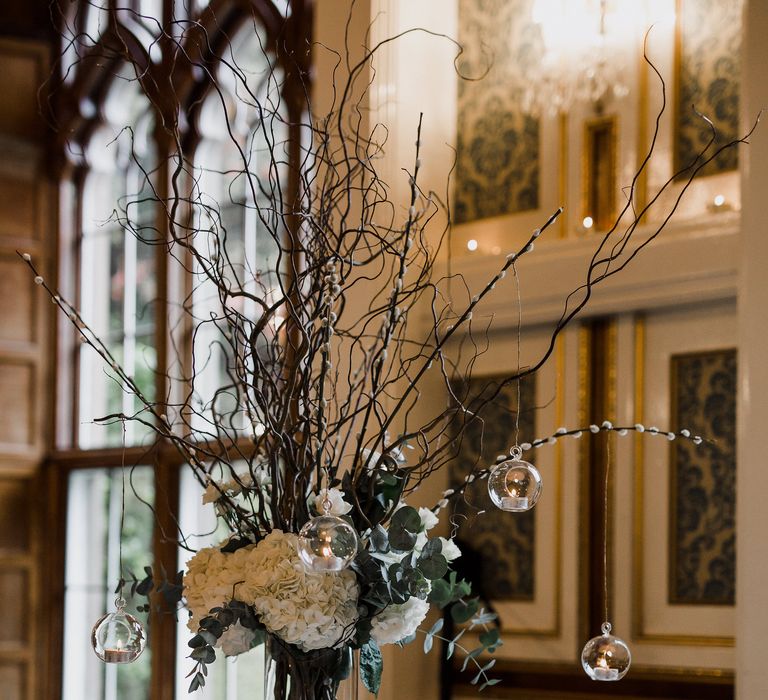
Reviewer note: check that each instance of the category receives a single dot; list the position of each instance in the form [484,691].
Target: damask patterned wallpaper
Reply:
[498,144]
[708,74]
[703,536]
[502,543]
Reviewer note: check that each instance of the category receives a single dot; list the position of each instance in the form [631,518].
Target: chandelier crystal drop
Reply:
[606,658]
[327,543]
[514,485]
[117,637]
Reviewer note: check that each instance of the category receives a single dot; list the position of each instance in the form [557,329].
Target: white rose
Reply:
[397,622]
[336,498]
[236,640]
[428,518]
[450,551]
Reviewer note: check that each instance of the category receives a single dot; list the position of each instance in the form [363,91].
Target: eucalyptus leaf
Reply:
[437,626]
[379,539]
[440,594]
[404,529]
[470,656]
[464,610]
[371,667]
[433,567]
[490,638]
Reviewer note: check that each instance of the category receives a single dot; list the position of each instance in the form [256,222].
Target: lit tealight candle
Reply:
[514,503]
[605,674]
[328,562]
[118,655]
[602,672]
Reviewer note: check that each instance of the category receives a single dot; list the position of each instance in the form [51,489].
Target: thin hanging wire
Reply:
[519,341]
[120,602]
[606,502]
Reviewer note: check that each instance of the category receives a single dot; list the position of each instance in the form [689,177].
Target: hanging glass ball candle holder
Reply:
[514,484]
[118,638]
[606,658]
[327,542]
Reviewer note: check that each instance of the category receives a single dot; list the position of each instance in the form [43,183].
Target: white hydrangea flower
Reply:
[336,497]
[236,640]
[310,610]
[397,622]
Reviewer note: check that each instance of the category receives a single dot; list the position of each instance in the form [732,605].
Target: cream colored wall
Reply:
[697,262]
[752,475]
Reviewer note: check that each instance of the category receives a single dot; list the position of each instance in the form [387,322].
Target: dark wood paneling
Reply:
[14,589]
[17,407]
[12,680]
[14,516]
[26,19]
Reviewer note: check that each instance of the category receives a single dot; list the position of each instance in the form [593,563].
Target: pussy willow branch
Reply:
[593,429]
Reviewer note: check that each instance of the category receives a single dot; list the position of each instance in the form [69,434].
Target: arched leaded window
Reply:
[119,171]
[118,285]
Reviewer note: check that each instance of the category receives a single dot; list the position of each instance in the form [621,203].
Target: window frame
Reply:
[78,113]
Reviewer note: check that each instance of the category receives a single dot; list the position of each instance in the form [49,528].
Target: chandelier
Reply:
[581,42]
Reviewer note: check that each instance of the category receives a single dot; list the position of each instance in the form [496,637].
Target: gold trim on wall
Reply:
[638,632]
[562,125]
[677,62]
[641,188]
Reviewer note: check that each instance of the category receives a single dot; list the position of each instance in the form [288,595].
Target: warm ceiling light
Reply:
[471,244]
[587,223]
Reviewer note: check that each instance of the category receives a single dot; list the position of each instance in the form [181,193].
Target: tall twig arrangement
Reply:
[315,380]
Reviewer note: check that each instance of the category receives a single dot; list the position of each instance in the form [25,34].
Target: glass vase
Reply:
[323,674]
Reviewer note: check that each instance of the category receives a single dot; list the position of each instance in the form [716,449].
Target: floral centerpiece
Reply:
[245,592]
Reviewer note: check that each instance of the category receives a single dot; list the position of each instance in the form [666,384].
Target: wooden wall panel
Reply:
[13,680]
[27,195]
[18,314]
[23,74]
[14,586]
[15,517]
[18,207]
[16,409]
